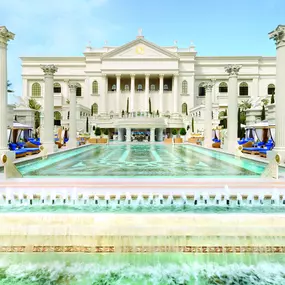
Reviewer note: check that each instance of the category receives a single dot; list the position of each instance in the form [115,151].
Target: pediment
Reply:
[140,49]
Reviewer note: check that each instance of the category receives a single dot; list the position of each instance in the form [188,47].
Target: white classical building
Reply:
[118,87]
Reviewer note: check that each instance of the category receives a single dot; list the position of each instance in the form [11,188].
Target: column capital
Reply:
[104,75]
[72,85]
[161,75]
[278,35]
[233,69]
[49,69]
[5,35]
[147,75]
[176,74]
[132,75]
[209,85]
[118,75]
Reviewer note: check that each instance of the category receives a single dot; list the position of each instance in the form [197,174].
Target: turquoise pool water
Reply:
[142,160]
[142,269]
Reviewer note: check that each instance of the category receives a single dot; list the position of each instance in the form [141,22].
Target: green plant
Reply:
[9,85]
[106,132]
[128,103]
[182,132]
[97,131]
[272,101]
[239,124]
[245,104]
[33,104]
[157,113]
[263,113]
[265,101]
[192,125]
[149,105]
[174,132]
[123,113]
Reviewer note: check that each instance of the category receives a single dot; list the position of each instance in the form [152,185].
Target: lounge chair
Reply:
[216,143]
[20,152]
[251,150]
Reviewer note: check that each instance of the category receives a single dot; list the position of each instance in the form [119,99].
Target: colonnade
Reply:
[104,92]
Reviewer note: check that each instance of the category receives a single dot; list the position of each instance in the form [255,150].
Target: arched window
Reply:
[271,89]
[56,88]
[95,87]
[243,89]
[94,109]
[78,90]
[184,108]
[114,88]
[152,87]
[165,87]
[202,91]
[223,87]
[57,115]
[184,87]
[140,87]
[127,87]
[36,90]
[57,118]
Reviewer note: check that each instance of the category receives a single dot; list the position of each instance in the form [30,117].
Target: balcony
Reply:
[58,98]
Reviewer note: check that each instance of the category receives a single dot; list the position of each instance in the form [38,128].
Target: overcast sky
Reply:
[64,27]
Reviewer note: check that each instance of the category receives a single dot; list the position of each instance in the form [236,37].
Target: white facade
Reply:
[139,72]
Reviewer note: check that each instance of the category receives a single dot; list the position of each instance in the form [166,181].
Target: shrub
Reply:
[182,132]
[174,132]
[97,131]
[272,101]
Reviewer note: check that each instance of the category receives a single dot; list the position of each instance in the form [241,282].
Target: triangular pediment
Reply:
[140,49]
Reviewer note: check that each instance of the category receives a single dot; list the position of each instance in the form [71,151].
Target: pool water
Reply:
[142,269]
[142,160]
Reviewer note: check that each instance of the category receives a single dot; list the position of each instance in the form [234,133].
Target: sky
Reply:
[65,27]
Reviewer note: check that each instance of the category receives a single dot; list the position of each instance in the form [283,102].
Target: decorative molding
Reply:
[49,69]
[278,35]
[133,75]
[73,86]
[146,249]
[161,75]
[209,85]
[232,69]
[5,36]
[147,75]
[137,42]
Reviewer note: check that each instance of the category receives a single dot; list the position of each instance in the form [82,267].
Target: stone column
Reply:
[103,94]
[208,114]
[48,135]
[255,87]
[232,70]
[161,92]
[146,92]
[72,142]
[152,134]
[128,137]
[120,134]
[160,134]
[278,35]
[132,99]
[175,93]
[5,36]
[118,93]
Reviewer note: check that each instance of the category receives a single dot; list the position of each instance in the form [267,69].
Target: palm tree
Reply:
[33,104]
[245,104]
[9,85]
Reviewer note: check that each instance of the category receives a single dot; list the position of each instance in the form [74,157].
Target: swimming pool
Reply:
[144,269]
[142,160]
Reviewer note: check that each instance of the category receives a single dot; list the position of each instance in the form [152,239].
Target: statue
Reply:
[140,32]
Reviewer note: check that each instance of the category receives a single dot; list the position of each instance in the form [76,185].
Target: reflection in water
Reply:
[142,160]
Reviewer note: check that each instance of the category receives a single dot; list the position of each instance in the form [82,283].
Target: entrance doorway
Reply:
[140,135]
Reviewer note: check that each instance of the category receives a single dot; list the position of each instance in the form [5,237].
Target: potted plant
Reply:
[97,132]
[106,133]
[182,133]
[174,133]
